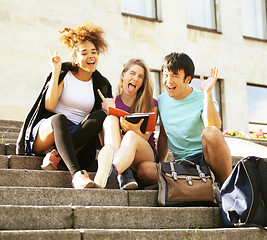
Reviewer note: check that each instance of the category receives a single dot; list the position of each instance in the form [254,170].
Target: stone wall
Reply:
[30,27]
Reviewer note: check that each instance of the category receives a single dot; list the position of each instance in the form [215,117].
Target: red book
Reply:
[149,118]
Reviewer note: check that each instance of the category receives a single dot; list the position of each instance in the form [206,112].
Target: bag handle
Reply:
[200,173]
[184,160]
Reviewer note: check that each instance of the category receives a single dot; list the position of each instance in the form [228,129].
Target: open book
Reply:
[148,124]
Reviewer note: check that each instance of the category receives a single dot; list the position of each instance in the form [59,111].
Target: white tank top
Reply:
[77,98]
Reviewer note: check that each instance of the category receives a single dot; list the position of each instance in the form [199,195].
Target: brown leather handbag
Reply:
[184,183]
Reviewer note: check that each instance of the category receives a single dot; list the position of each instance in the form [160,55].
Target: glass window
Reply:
[201,13]
[254,18]
[158,85]
[143,8]
[216,91]
[257,102]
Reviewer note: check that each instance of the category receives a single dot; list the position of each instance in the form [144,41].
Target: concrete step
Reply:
[4,130]
[24,162]
[69,234]
[11,123]
[35,178]
[9,140]
[40,178]
[244,148]
[49,196]
[7,148]
[107,217]
[136,234]
[34,162]
[8,135]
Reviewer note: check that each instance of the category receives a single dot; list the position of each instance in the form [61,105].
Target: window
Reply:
[254,18]
[257,102]
[158,85]
[216,91]
[148,9]
[201,13]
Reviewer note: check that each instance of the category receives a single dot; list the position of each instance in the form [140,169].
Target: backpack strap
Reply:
[262,171]
[249,168]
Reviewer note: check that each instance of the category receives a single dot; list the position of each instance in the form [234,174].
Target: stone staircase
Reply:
[38,204]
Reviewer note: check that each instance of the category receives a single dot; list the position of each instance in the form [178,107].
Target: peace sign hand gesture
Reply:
[207,85]
[107,102]
[55,61]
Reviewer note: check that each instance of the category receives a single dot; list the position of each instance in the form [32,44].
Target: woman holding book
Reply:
[67,116]
[134,151]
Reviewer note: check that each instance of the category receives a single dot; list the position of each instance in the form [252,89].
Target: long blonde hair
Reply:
[144,98]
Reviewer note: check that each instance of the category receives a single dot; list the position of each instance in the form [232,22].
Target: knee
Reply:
[147,172]
[110,121]
[130,137]
[211,134]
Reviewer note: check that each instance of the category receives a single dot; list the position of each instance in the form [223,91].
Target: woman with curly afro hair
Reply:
[66,119]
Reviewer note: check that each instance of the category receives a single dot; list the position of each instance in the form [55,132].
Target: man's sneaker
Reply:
[126,180]
[106,171]
[81,180]
[51,160]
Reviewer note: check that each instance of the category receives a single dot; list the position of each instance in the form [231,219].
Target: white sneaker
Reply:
[81,180]
[104,160]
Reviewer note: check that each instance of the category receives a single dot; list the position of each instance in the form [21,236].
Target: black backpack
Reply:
[244,194]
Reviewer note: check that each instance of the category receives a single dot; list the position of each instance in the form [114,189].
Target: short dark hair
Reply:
[179,61]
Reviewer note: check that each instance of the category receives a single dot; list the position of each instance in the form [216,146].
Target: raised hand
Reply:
[107,102]
[55,61]
[207,85]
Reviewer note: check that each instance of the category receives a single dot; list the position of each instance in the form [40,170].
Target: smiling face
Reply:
[86,56]
[176,84]
[132,79]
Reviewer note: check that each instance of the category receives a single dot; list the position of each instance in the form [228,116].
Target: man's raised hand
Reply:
[207,85]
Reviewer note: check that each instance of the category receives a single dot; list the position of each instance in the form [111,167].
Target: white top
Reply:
[77,99]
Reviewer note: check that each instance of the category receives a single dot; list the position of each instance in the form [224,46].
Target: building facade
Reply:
[229,34]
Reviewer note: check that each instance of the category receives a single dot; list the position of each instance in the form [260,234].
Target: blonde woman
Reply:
[67,116]
[135,151]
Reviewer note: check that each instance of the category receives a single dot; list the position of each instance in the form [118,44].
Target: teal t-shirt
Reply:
[183,124]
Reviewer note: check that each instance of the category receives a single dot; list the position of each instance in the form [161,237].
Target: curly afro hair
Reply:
[84,32]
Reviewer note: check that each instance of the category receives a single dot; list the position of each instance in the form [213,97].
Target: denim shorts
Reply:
[197,159]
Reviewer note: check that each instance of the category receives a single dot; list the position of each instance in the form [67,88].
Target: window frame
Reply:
[160,84]
[206,29]
[250,122]
[257,38]
[157,17]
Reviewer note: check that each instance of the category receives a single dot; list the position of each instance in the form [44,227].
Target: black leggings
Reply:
[66,143]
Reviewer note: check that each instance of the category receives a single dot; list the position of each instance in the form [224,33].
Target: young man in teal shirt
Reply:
[189,120]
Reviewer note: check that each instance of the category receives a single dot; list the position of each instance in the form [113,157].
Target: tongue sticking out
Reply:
[131,88]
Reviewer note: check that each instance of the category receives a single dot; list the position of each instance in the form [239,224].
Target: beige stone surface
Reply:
[31,28]
[244,148]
